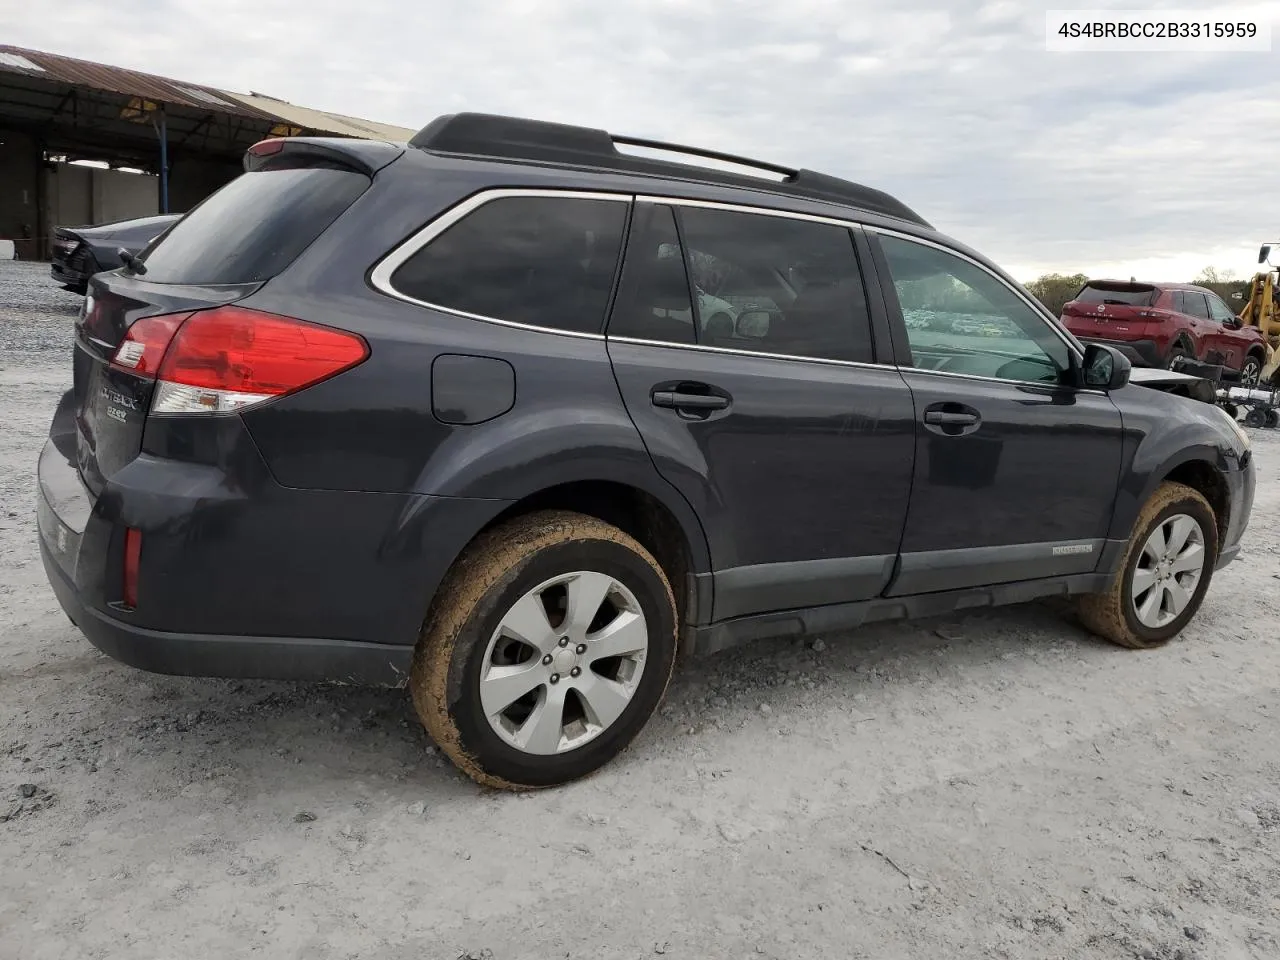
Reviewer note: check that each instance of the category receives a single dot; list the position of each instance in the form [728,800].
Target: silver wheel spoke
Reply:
[503,686]
[586,592]
[1156,545]
[1173,559]
[603,699]
[1191,559]
[1143,580]
[527,621]
[1178,598]
[1179,529]
[571,703]
[541,733]
[626,634]
[1149,612]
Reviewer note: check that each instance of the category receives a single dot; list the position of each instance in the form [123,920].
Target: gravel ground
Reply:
[992,785]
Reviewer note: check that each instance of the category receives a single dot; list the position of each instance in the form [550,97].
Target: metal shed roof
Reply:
[130,83]
[322,120]
[134,83]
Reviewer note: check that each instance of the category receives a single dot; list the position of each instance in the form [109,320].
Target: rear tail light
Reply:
[132,554]
[215,361]
[265,148]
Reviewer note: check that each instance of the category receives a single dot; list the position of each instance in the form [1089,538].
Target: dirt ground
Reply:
[992,785]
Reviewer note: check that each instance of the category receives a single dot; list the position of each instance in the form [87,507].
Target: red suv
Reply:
[1154,324]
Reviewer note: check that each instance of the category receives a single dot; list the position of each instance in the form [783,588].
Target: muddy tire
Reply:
[550,644]
[1176,353]
[1165,572]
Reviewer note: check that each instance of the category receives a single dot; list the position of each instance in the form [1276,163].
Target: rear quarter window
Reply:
[542,261]
[254,227]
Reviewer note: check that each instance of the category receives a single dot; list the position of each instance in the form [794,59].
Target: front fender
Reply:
[1164,432]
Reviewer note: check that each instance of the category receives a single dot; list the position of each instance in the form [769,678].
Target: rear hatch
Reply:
[1112,309]
[220,253]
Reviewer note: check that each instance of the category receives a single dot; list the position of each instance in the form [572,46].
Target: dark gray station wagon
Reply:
[512,416]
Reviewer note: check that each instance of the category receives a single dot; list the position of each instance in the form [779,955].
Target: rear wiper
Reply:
[1122,303]
[134,264]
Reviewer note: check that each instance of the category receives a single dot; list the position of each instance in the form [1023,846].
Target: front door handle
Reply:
[949,419]
[689,401]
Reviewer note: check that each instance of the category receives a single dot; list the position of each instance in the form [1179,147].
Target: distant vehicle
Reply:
[511,417]
[1155,324]
[80,252]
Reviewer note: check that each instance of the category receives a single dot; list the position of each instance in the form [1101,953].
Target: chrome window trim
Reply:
[705,348]
[380,276]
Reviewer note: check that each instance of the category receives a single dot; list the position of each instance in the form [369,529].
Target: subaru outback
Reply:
[511,416]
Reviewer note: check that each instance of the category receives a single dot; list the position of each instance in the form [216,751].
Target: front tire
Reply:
[549,646]
[1251,370]
[1164,574]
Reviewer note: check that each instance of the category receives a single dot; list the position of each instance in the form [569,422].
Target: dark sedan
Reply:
[80,252]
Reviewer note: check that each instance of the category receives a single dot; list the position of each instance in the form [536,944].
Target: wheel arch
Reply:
[663,523]
[1201,475]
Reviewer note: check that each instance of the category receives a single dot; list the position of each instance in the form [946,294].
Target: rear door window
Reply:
[775,285]
[254,227]
[542,261]
[1193,303]
[743,281]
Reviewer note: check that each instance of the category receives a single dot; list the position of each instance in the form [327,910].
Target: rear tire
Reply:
[512,676]
[1152,598]
[1176,352]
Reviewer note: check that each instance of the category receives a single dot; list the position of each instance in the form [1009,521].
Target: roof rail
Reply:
[539,141]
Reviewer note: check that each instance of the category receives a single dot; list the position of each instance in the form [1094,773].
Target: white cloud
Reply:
[1121,163]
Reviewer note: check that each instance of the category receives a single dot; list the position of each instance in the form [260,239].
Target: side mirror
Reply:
[1104,368]
[1264,253]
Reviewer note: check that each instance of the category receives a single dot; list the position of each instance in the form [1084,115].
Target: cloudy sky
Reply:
[1152,164]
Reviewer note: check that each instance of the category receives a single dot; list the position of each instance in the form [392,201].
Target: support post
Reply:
[163,133]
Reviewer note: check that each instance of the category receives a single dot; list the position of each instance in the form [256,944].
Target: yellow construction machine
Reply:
[1263,311]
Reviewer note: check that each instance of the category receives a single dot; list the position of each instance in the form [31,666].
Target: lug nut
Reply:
[564,641]
[555,678]
[582,648]
[546,659]
[575,671]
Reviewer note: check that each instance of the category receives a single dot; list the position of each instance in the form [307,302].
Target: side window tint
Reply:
[546,261]
[653,299]
[961,319]
[1195,305]
[1220,311]
[776,285]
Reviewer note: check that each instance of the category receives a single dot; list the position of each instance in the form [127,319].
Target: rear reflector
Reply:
[223,359]
[143,347]
[132,554]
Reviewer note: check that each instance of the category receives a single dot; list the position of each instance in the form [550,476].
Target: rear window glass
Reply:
[1136,296]
[253,227]
[544,261]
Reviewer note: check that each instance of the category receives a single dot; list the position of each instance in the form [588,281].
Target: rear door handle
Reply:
[689,401]
[948,419]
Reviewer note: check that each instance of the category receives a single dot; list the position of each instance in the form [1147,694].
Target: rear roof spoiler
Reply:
[362,156]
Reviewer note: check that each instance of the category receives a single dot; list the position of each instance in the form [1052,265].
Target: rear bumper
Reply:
[241,577]
[1145,353]
[74,272]
[214,655]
